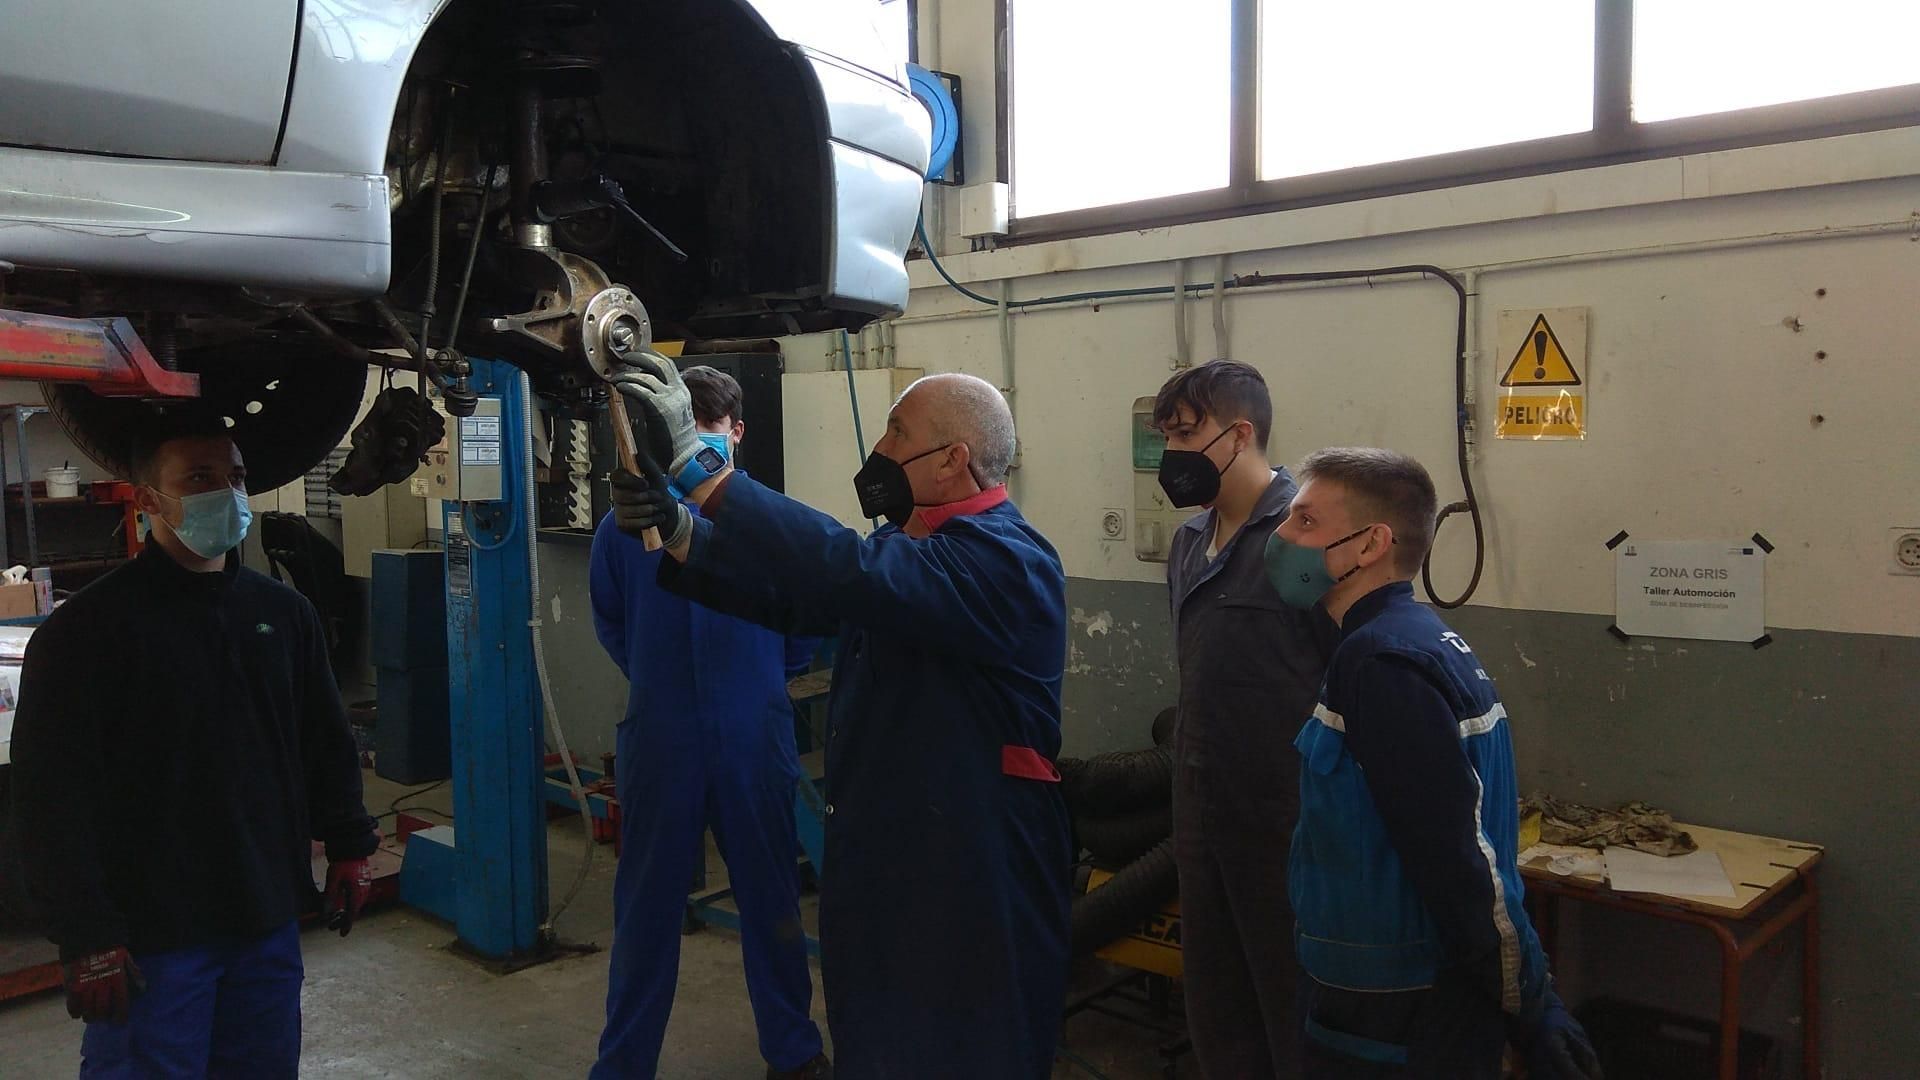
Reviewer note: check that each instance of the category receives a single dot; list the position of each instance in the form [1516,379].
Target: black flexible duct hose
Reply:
[1119,839]
[1125,901]
[1163,726]
[1116,783]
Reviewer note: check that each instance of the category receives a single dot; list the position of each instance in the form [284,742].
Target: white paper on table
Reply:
[1696,874]
[1566,861]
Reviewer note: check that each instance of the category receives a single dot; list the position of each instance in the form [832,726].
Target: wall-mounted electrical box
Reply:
[1154,518]
[465,466]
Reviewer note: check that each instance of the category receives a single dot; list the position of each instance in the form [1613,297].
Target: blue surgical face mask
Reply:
[721,442]
[212,523]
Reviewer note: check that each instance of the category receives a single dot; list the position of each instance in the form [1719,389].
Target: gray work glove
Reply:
[653,383]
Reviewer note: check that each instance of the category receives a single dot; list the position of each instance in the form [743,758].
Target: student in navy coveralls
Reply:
[707,740]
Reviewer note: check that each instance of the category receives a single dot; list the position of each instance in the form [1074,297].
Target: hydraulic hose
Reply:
[535,625]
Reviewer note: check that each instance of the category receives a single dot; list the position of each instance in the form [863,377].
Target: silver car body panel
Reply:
[872,114]
[315,233]
[317,223]
[876,202]
[848,29]
[71,73]
[353,59]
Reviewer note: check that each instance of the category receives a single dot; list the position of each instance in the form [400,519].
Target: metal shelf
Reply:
[19,414]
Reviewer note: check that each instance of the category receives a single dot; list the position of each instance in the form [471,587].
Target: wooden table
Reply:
[1774,887]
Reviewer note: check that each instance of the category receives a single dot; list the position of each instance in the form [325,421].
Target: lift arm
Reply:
[105,355]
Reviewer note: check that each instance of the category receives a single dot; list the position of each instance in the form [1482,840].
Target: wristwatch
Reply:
[704,466]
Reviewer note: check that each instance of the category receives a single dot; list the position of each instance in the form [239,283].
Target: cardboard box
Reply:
[20,601]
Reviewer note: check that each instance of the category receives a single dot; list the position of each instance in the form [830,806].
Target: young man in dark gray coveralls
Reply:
[1249,669]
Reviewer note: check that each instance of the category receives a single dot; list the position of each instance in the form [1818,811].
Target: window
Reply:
[1695,57]
[1353,84]
[1127,112]
[895,24]
[1118,101]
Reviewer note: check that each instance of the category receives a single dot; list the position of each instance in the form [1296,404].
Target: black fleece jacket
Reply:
[179,743]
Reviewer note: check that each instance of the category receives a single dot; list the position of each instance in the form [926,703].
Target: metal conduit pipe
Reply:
[1910,227]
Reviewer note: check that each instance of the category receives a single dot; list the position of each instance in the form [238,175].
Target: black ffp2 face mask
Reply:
[1189,477]
[883,487]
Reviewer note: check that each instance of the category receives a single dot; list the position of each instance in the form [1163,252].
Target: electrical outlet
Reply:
[1906,551]
[1113,524]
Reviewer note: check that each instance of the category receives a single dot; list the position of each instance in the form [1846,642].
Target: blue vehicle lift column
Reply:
[492,884]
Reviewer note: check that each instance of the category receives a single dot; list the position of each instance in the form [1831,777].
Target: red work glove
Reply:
[348,882]
[99,985]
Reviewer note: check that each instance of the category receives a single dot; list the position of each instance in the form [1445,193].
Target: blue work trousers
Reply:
[224,1010]
[666,803]
[1405,1035]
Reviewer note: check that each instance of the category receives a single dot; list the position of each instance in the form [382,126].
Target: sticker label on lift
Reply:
[480,440]
[459,557]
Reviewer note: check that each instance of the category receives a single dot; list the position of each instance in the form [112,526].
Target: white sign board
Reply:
[1704,589]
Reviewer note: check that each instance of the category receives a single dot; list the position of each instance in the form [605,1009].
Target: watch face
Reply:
[710,460]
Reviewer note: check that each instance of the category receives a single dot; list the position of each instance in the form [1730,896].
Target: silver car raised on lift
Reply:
[273,189]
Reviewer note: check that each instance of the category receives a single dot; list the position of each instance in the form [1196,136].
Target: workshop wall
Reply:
[1767,386]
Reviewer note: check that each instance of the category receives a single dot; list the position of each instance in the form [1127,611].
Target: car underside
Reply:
[566,183]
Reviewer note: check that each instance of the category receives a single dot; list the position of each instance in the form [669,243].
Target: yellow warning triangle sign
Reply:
[1540,361]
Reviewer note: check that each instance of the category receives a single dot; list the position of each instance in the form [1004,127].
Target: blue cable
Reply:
[853,399]
[853,402]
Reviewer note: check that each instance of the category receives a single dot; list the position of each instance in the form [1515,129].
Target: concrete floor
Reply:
[391,1001]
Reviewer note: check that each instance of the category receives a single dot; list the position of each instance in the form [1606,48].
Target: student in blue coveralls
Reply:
[1418,956]
[943,901]
[707,740]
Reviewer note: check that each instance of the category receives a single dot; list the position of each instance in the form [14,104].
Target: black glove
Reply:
[643,502]
[1559,1049]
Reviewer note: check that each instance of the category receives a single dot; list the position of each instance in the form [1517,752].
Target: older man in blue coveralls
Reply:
[943,905]
[707,740]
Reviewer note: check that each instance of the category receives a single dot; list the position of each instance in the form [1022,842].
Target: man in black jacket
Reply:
[1249,669]
[179,745]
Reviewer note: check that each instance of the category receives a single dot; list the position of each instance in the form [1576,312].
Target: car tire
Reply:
[287,404]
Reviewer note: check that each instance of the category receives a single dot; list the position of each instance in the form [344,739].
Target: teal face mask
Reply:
[212,523]
[1299,574]
[721,442]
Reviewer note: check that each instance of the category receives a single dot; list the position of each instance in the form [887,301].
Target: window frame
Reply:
[1615,138]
